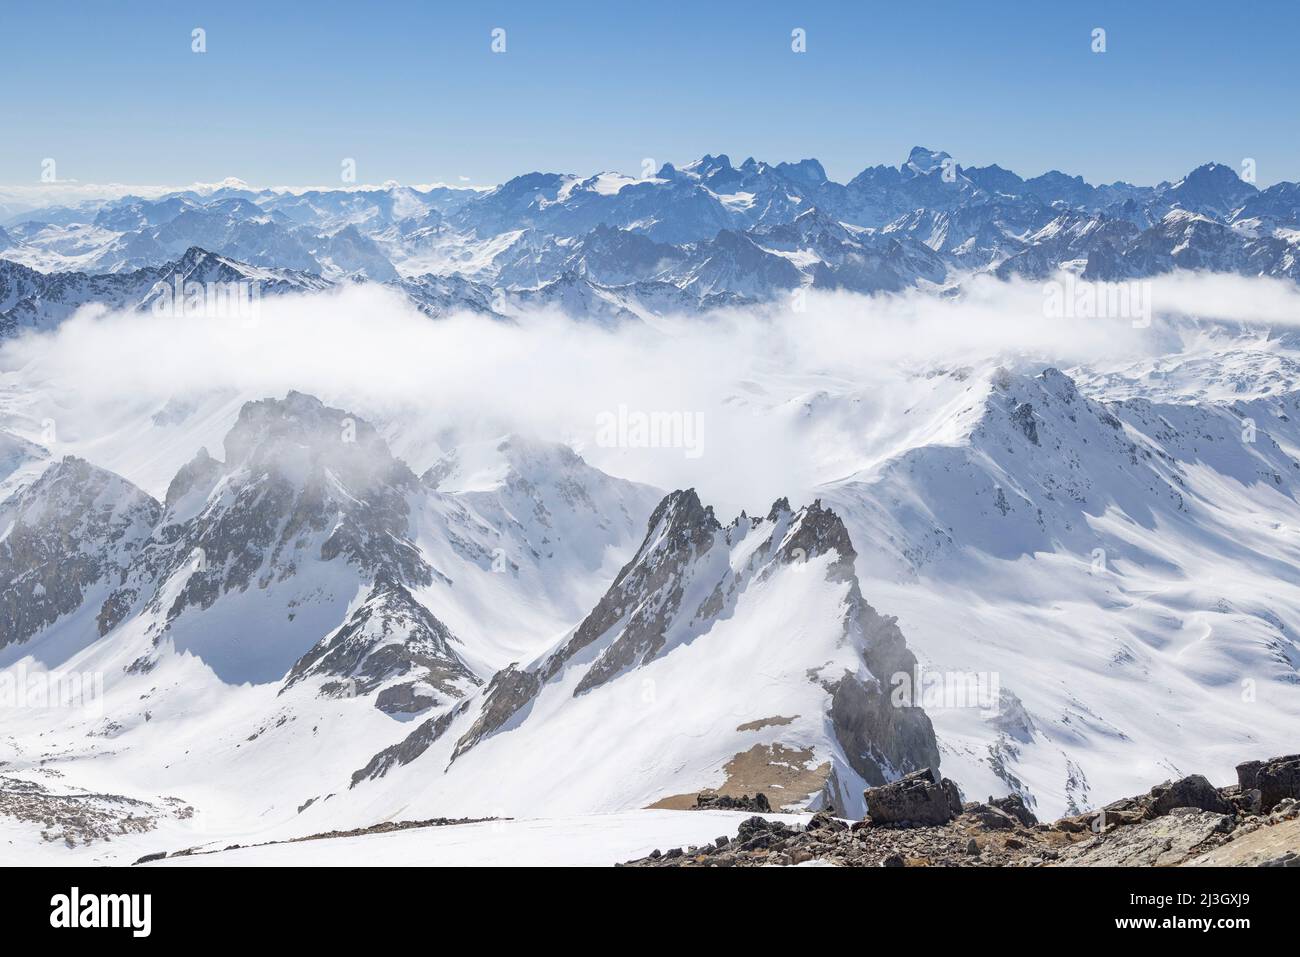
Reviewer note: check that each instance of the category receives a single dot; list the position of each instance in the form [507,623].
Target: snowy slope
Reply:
[740,658]
[283,611]
[1095,555]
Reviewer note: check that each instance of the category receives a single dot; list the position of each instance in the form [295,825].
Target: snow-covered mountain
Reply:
[1095,556]
[660,682]
[302,630]
[716,232]
[32,300]
[1083,545]
[71,537]
[344,593]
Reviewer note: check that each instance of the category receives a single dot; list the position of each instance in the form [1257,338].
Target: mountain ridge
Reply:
[705,233]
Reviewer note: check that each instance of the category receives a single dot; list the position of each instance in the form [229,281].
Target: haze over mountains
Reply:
[610,247]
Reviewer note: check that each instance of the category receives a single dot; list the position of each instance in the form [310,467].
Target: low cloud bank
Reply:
[767,401]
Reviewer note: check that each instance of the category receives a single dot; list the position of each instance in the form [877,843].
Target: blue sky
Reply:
[412,91]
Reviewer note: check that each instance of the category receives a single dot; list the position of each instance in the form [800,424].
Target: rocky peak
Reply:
[922,162]
[1215,177]
[681,520]
[301,436]
[806,172]
[65,541]
[688,576]
[393,645]
[814,531]
[302,483]
[197,474]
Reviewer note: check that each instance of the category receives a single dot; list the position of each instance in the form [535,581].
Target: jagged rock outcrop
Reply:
[726,802]
[298,474]
[689,579]
[1014,805]
[1159,842]
[409,748]
[1003,833]
[303,488]
[66,540]
[510,690]
[1275,779]
[919,798]
[648,591]
[1193,791]
[392,641]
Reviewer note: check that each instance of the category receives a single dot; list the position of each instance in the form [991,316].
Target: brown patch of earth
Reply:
[761,723]
[782,773]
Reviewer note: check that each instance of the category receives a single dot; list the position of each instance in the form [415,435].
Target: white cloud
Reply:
[786,400]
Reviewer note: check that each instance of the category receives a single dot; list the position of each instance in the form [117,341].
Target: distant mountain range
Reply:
[611,247]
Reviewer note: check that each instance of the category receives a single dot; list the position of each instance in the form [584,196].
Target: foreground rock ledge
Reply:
[919,821]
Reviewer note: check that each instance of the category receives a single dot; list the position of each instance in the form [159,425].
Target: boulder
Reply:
[920,798]
[1276,778]
[1245,803]
[1192,791]
[988,817]
[727,802]
[757,832]
[825,821]
[1014,805]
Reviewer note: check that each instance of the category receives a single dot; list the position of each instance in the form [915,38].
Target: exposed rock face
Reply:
[689,573]
[199,474]
[298,475]
[1002,832]
[410,747]
[391,636]
[1277,845]
[1275,779]
[697,592]
[1193,791]
[757,832]
[509,690]
[1014,805]
[409,697]
[876,733]
[725,802]
[641,602]
[919,798]
[71,536]
[1172,839]
[308,506]
[990,817]
[648,590]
